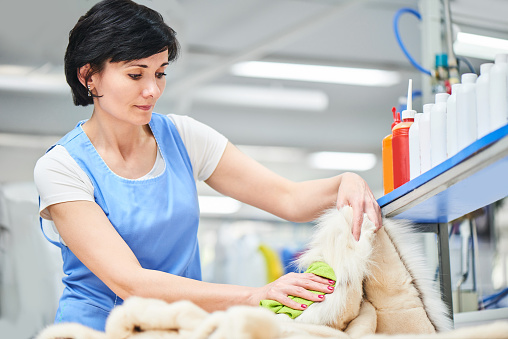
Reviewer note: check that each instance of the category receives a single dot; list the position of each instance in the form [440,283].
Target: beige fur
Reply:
[152,314]
[365,323]
[188,321]
[382,291]
[402,237]
[70,331]
[497,330]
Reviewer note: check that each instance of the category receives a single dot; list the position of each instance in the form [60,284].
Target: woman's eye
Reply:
[135,76]
[160,75]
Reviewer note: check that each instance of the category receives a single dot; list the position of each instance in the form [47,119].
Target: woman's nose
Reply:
[151,89]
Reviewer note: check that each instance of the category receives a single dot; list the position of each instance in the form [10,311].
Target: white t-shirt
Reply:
[59,178]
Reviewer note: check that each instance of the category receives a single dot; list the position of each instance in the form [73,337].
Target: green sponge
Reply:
[318,268]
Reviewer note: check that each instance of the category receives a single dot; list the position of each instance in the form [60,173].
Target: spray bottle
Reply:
[387,154]
[400,142]
[438,130]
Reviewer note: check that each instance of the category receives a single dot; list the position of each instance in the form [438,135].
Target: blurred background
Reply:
[302,128]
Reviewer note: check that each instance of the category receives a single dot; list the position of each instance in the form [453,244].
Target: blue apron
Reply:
[158,218]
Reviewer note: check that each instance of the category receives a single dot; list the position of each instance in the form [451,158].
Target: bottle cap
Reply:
[455,88]
[408,114]
[427,108]
[469,78]
[501,58]
[485,68]
[396,117]
[441,97]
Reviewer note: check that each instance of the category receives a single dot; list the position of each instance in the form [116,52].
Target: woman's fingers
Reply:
[284,297]
[316,283]
[299,285]
[354,192]
[357,221]
[374,214]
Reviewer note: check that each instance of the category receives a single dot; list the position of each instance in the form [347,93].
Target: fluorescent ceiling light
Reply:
[478,46]
[21,78]
[342,161]
[218,205]
[274,154]
[266,97]
[15,70]
[326,74]
[27,140]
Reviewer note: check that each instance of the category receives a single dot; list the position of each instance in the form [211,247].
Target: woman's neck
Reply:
[109,134]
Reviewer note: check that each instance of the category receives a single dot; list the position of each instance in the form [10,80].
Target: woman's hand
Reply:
[295,284]
[354,192]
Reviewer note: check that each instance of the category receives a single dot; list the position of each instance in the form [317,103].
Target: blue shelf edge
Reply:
[464,154]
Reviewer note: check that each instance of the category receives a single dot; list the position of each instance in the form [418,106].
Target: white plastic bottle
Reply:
[438,130]
[482,100]
[414,148]
[498,80]
[466,111]
[451,122]
[424,127]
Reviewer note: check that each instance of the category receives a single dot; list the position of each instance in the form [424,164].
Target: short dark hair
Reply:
[113,31]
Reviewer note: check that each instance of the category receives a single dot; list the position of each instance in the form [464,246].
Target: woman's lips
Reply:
[144,107]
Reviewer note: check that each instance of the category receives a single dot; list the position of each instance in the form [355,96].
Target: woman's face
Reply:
[129,90]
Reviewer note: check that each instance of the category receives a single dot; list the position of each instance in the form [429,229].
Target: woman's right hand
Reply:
[295,284]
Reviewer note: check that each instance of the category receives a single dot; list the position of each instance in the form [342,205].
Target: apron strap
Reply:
[56,243]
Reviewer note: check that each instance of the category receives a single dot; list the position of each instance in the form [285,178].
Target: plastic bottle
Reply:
[482,100]
[414,148]
[466,111]
[424,126]
[400,143]
[387,155]
[498,81]
[438,130]
[451,122]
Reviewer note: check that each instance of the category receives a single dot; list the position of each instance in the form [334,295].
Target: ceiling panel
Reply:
[214,34]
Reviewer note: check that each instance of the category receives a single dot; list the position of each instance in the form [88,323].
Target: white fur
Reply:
[333,243]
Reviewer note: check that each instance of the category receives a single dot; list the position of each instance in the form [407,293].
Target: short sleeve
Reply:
[59,178]
[204,145]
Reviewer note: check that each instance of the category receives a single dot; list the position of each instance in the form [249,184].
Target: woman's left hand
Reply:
[354,192]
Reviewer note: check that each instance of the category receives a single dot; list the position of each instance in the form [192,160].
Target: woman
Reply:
[120,187]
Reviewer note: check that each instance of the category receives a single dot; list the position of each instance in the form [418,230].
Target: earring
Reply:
[89,91]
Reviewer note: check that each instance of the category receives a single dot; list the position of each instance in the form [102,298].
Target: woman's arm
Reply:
[242,178]
[90,236]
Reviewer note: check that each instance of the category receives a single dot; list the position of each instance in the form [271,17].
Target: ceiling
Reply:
[216,34]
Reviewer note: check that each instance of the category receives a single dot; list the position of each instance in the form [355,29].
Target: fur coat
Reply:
[382,291]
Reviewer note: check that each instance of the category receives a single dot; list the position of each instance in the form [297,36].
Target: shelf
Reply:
[475,318]
[473,178]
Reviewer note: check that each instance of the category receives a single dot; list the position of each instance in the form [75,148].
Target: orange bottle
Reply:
[387,156]
[400,143]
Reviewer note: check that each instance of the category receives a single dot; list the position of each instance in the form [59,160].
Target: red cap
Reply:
[396,117]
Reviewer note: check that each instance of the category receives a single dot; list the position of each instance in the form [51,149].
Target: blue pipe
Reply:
[399,40]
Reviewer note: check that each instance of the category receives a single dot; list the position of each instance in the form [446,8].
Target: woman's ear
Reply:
[82,74]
